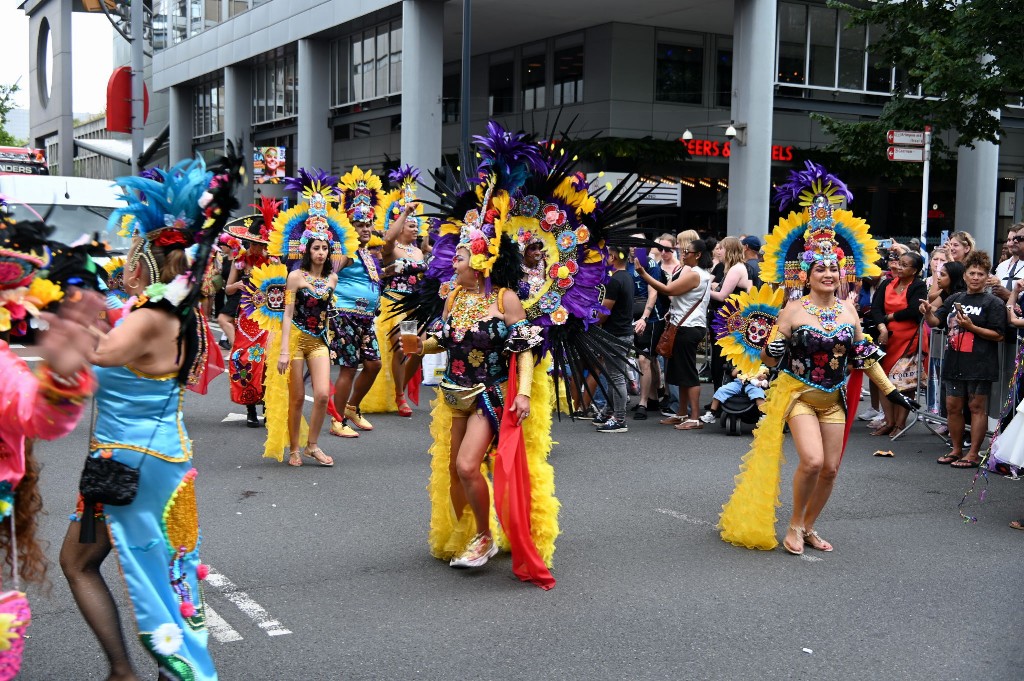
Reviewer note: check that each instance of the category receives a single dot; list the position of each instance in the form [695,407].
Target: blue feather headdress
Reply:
[165,211]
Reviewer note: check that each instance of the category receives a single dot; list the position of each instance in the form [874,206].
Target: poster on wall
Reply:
[268,165]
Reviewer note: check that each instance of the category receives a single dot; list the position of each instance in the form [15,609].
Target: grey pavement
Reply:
[333,563]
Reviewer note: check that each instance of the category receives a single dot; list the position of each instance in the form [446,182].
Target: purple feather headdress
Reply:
[512,157]
[804,185]
[403,175]
[313,181]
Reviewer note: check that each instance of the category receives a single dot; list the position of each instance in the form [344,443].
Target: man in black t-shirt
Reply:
[975,323]
[618,300]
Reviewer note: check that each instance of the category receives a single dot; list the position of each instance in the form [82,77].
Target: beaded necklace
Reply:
[468,309]
[535,277]
[827,316]
[319,284]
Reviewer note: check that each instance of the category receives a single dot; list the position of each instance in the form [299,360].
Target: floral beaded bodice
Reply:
[819,358]
[406,280]
[311,305]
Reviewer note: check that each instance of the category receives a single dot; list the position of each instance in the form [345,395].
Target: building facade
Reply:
[332,83]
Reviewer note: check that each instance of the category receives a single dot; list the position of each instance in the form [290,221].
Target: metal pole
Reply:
[138,84]
[467,35]
[924,187]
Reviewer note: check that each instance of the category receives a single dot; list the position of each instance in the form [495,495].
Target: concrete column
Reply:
[315,137]
[238,120]
[180,119]
[977,172]
[422,71]
[753,105]
[1018,200]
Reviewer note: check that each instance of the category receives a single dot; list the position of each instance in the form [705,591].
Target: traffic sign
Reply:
[911,138]
[906,154]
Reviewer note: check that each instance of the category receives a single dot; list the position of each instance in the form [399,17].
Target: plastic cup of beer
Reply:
[409,336]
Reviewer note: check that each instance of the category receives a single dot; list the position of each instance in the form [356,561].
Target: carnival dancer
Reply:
[818,253]
[144,365]
[350,334]
[494,397]
[45,404]
[402,225]
[313,238]
[248,357]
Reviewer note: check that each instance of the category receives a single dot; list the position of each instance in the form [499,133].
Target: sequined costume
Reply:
[381,397]
[350,335]
[812,381]
[478,349]
[247,362]
[139,422]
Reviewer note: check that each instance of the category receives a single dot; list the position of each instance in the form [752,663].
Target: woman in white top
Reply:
[689,293]
[736,276]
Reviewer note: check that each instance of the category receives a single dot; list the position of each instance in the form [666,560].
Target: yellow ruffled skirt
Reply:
[275,401]
[381,397]
[451,531]
[748,518]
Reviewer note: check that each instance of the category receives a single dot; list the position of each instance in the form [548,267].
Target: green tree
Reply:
[965,57]
[7,93]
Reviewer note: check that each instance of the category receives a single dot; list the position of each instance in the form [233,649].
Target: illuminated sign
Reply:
[716,149]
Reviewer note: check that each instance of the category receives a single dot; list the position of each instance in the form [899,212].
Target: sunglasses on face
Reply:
[894,258]
[685,252]
[1017,239]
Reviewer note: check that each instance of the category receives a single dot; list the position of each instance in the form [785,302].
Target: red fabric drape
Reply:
[512,493]
[412,389]
[853,388]
[214,359]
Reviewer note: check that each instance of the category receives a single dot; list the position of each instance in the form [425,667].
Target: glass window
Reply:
[533,74]
[357,69]
[568,86]
[382,64]
[822,62]
[275,86]
[879,74]
[339,72]
[237,7]
[451,104]
[369,63]
[679,74]
[851,54]
[500,95]
[179,21]
[792,43]
[723,73]
[396,59]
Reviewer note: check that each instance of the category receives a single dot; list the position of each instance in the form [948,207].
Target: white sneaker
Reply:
[708,417]
[877,423]
[869,414]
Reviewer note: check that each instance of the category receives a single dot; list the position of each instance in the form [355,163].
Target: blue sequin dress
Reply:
[139,423]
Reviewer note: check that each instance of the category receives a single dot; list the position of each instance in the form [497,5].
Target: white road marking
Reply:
[247,605]
[682,516]
[17,346]
[219,629]
[308,398]
[233,417]
[811,559]
[32,359]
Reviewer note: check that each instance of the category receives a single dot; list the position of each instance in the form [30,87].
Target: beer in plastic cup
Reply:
[409,336]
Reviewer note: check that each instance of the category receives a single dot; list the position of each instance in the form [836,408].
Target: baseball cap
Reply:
[751,242]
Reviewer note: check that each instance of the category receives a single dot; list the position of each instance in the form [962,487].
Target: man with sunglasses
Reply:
[1011,270]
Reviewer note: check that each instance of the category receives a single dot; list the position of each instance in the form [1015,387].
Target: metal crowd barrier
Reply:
[929,384]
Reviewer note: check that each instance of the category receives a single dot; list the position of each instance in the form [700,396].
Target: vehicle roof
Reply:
[60,190]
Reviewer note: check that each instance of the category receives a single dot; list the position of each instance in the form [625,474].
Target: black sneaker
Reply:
[613,426]
[602,418]
[584,414]
[223,342]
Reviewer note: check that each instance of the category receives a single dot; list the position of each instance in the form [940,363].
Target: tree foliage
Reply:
[965,56]
[7,93]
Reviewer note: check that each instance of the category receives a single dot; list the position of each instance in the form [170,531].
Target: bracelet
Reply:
[60,390]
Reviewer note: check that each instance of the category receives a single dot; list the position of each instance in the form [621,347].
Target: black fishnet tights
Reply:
[81,565]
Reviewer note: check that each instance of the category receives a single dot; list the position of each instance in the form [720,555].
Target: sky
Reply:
[92,56]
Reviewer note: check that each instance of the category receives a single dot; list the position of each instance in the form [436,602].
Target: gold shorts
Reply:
[826,407]
[306,347]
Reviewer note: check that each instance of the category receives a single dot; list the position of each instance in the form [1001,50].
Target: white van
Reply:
[73,205]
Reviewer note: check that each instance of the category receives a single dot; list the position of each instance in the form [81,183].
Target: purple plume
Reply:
[513,157]
[152,174]
[407,172]
[440,267]
[307,178]
[799,180]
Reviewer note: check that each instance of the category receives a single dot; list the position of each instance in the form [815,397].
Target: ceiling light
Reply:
[687,135]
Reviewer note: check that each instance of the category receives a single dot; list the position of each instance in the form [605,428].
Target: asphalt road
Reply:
[325,573]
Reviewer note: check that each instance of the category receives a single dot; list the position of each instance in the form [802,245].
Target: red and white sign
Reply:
[715,148]
[906,154]
[911,138]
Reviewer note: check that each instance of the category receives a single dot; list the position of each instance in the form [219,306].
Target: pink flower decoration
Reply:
[202,571]
[553,217]
[188,610]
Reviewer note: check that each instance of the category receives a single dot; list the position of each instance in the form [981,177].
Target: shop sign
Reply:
[716,149]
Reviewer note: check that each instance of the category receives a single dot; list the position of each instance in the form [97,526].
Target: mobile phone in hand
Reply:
[641,255]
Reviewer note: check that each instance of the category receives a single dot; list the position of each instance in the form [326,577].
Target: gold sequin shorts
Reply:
[306,347]
[826,407]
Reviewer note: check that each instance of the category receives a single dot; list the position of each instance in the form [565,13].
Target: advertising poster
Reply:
[268,165]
